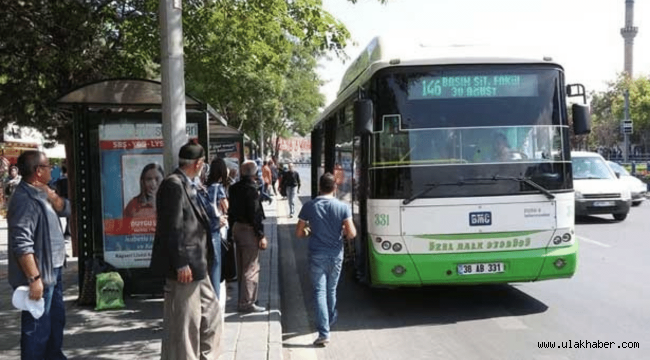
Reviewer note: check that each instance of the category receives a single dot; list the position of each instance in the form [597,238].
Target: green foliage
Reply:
[50,47]
[254,61]
[257,63]
[608,110]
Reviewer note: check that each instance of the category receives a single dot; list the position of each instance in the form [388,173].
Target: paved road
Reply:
[607,300]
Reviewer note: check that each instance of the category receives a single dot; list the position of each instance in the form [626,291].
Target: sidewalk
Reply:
[135,332]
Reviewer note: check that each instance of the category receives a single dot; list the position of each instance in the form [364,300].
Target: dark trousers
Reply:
[273,187]
[42,338]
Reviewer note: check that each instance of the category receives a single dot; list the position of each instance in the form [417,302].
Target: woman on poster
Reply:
[144,204]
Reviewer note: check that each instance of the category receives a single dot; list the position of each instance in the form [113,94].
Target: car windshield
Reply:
[618,168]
[590,167]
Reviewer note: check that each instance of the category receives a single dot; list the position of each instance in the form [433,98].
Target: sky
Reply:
[582,35]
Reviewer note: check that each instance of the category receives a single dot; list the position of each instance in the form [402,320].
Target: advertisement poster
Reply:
[131,160]
[229,151]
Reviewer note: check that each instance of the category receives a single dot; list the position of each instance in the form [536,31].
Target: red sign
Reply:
[295,145]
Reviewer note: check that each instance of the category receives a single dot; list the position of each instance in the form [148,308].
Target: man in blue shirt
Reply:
[330,221]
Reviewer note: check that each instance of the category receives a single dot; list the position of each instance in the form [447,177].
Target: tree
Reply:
[50,47]
[261,61]
[237,53]
[608,109]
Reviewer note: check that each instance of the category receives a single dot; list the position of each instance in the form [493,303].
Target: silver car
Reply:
[638,188]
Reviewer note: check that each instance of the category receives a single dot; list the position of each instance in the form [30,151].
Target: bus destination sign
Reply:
[480,86]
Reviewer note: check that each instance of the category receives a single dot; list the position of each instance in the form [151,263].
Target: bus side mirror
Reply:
[363,117]
[581,119]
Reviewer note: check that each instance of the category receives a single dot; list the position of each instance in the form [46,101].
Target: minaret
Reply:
[629,32]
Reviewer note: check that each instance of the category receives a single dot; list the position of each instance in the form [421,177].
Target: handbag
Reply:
[228,258]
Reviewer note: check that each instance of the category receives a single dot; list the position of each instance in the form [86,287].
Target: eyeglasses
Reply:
[45,166]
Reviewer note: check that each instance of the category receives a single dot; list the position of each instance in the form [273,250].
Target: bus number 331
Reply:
[381,220]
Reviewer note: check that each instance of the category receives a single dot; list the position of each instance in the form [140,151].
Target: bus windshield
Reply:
[454,123]
[478,145]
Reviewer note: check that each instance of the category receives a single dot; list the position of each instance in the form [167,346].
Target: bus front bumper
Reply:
[432,269]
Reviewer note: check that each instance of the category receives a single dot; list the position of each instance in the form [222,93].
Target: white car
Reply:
[597,188]
[638,188]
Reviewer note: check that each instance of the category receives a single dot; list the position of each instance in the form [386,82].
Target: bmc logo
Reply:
[482,218]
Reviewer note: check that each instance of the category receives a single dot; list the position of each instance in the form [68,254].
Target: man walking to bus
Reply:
[291,181]
[326,221]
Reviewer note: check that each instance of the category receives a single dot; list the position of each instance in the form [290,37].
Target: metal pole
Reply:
[261,138]
[626,137]
[173,81]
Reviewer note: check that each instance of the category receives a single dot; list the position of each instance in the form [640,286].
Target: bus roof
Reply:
[382,53]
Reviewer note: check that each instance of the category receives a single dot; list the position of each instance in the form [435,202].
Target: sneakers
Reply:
[252,309]
[321,341]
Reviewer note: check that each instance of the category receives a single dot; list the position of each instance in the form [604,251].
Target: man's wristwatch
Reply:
[31,279]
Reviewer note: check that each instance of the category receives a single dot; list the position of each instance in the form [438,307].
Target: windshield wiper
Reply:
[528,181]
[422,192]
[431,186]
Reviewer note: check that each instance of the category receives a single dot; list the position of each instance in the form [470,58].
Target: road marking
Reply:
[594,242]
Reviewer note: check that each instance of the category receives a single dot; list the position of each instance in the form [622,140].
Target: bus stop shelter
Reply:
[117,167]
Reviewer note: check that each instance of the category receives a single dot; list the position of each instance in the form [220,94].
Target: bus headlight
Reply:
[557,240]
[566,237]
[397,247]
[385,245]
[578,195]
[559,263]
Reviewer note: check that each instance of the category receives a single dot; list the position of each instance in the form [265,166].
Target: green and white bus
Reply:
[457,169]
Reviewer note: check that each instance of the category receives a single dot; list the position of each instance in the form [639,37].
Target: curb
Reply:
[275,314]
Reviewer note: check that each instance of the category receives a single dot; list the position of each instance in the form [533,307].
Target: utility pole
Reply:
[262,150]
[173,81]
[626,132]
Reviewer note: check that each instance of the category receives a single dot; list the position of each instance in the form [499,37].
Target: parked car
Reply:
[597,188]
[638,188]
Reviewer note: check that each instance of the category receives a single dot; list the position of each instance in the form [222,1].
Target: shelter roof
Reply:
[128,95]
